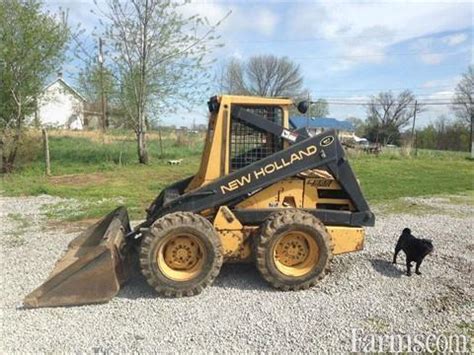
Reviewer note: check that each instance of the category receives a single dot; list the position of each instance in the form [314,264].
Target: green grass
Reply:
[466,328]
[463,199]
[401,206]
[132,185]
[102,176]
[387,177]
[76,155]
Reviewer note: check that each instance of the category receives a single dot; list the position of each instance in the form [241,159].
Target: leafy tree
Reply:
[463,102]
[444,134]
[427,137]
[160,57]
[359,126]
[263,75]
[32,47]
[387,114]
[90,85]
[92,80]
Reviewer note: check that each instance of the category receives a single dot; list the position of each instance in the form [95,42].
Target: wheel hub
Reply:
[181,253]
[295,254]
[292,250]
[181,257]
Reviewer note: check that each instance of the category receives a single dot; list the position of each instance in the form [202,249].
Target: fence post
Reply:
[161,142]
[47,163]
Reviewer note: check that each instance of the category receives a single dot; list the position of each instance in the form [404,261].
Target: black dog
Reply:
[414,248]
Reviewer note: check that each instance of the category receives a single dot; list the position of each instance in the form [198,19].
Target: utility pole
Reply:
[102,93]
[308,112]
[413,136]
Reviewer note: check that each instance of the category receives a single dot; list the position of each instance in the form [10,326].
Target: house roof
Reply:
[320,122]
[67,86]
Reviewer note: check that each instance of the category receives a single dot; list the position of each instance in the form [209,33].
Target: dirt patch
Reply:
[69,226]
[79,179]
[450,299]
[460,264]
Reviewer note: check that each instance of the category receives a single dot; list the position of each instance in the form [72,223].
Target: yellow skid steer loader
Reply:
[284,199]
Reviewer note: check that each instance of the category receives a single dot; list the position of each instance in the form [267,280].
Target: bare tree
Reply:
[319,108]
[231,78]
[463,101]
[159,56]
[264,75]
[388,113]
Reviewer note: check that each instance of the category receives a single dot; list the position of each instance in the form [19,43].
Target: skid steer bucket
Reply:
[94,266]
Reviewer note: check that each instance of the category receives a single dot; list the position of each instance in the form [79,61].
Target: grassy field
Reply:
[101,176]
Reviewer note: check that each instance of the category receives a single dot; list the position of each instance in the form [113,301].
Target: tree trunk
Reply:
[8,159]
[6,166]
[141,137]
[142,148]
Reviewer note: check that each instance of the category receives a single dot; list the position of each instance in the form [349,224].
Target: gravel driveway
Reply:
[364,294]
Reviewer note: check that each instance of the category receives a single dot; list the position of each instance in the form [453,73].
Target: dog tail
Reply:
[429,244]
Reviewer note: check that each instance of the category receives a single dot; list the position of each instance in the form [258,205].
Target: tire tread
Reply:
[279,220]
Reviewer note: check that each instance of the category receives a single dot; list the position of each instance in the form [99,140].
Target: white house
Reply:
[61,106]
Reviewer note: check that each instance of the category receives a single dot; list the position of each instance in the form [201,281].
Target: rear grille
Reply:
[326,193]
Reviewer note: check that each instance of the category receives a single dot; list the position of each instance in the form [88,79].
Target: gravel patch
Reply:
[240,312]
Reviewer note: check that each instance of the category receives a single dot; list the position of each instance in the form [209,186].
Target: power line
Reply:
[380,55]
[406,54]
[399,35]
[317,38]
[424,88]
[276,2]
[368,97]
[365,103]
[427,95]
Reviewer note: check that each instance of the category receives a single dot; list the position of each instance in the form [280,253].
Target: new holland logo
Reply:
[326,141]
[269,169]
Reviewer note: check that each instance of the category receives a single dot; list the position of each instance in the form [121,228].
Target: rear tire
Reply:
[181,254]
[293,250]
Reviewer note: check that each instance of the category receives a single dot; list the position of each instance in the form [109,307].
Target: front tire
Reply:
[293,250]
[181,254]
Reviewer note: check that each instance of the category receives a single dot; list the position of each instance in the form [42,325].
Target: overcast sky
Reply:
[346,49]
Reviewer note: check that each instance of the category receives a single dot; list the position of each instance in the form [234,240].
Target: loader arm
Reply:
[340,168]
[323,150]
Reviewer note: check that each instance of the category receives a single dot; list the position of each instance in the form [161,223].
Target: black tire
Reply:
[155,241]
[281,224]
